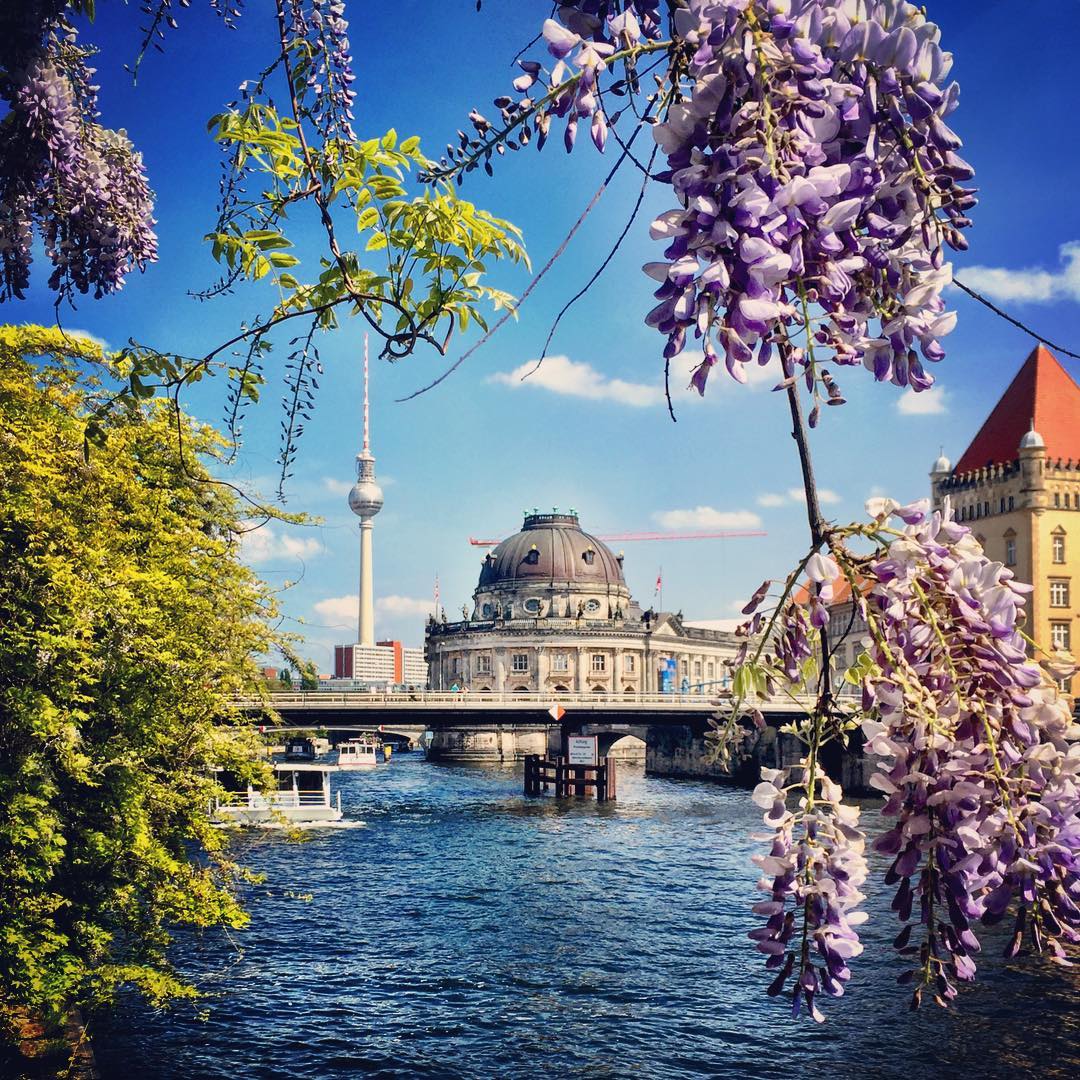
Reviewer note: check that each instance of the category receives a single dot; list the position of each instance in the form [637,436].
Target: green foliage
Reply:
[433,247]
[128,626]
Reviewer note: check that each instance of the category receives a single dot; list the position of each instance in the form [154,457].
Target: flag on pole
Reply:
[435,614]
[659,582]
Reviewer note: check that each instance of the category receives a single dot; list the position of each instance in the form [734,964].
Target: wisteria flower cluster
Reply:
[817,179]
[818,185]
[812,873]
[83,185]
[980,759]
[979,756]
[318,35]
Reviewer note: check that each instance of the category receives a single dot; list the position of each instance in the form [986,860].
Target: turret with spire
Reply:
[366,500]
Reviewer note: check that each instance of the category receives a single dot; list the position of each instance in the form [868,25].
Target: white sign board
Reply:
[581,750]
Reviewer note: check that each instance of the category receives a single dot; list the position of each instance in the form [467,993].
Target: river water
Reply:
[467,932]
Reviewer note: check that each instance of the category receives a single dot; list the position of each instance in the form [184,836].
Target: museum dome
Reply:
[552,549]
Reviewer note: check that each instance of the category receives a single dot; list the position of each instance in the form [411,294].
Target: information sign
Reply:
[581,750]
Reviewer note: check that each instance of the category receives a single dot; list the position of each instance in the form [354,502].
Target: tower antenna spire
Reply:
[367,431]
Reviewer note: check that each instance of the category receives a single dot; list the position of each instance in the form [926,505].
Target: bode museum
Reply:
[552,614]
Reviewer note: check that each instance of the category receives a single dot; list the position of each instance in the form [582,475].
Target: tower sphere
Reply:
[365,497]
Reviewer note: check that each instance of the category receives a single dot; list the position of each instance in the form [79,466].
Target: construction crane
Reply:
[633,536]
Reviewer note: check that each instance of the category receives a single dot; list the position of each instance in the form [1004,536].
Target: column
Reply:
[367,584]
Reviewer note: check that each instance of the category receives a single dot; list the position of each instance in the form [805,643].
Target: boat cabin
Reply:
[303,796]
[299,748]
[363,753]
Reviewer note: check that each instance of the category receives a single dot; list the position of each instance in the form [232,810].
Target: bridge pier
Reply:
[503,745]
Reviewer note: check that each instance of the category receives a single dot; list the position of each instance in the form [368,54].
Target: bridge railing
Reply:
[471,700]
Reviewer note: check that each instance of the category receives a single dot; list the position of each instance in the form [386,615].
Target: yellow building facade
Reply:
[1017,486]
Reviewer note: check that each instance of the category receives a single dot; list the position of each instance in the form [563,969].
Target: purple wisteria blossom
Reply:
[818,184]
[980,759]
[812,873]
[81,184]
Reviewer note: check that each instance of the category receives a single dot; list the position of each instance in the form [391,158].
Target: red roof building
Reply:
[1042,393]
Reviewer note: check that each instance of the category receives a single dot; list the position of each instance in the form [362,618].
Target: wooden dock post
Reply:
[576,781]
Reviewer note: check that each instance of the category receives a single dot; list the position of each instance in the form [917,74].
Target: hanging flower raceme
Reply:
[317,35]
[981,765]
[818,184]
[82,184]
[979,756]
[812,873]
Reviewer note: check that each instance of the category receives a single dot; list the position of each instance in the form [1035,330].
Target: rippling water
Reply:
[465,931]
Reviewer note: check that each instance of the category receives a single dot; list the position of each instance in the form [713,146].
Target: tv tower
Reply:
[366,500]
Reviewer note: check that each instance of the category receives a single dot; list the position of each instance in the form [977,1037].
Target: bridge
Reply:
[473,725]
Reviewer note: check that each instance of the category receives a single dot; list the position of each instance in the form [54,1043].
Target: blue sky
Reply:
[590,429]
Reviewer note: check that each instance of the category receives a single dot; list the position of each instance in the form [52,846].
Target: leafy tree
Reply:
[128,627]
[285,678]
[309,676]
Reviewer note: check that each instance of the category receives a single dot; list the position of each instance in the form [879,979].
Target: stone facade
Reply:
[552,614]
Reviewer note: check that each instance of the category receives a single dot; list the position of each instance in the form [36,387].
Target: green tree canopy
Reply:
[127,625]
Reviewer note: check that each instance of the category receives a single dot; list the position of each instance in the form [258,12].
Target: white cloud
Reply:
[795,495]
[1032,285]
[574,378]
[561,375]
[341,609]
[97,340]
[705,517]
[346,609]
[932,402]
[404,605]
[266,544]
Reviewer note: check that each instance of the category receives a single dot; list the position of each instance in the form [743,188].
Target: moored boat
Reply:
[302,797]
[358,754]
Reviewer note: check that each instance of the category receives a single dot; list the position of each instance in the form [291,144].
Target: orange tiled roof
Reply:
[1043,392]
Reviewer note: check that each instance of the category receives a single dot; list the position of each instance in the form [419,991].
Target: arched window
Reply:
[589,556]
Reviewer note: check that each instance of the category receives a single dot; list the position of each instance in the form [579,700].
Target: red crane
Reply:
[627,537]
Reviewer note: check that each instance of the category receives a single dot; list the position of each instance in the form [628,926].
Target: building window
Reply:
[1060,636]
[599,662]
[1059,548]
[711,672]
[629,663]
[560,661]
[697,669]
[684,668]
[1059,594]
[1010,551]
[986,508]
[455,665]
[1001,506]
[589,557]
[532,605]
[519,661]
[483,664]
[1012,502]
[533,556]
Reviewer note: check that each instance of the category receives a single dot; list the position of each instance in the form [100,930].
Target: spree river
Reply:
[466,931]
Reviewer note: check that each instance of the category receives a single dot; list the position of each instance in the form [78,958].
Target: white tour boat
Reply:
[302,797]
[358,754]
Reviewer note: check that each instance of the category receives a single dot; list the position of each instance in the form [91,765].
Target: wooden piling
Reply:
[569,781]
